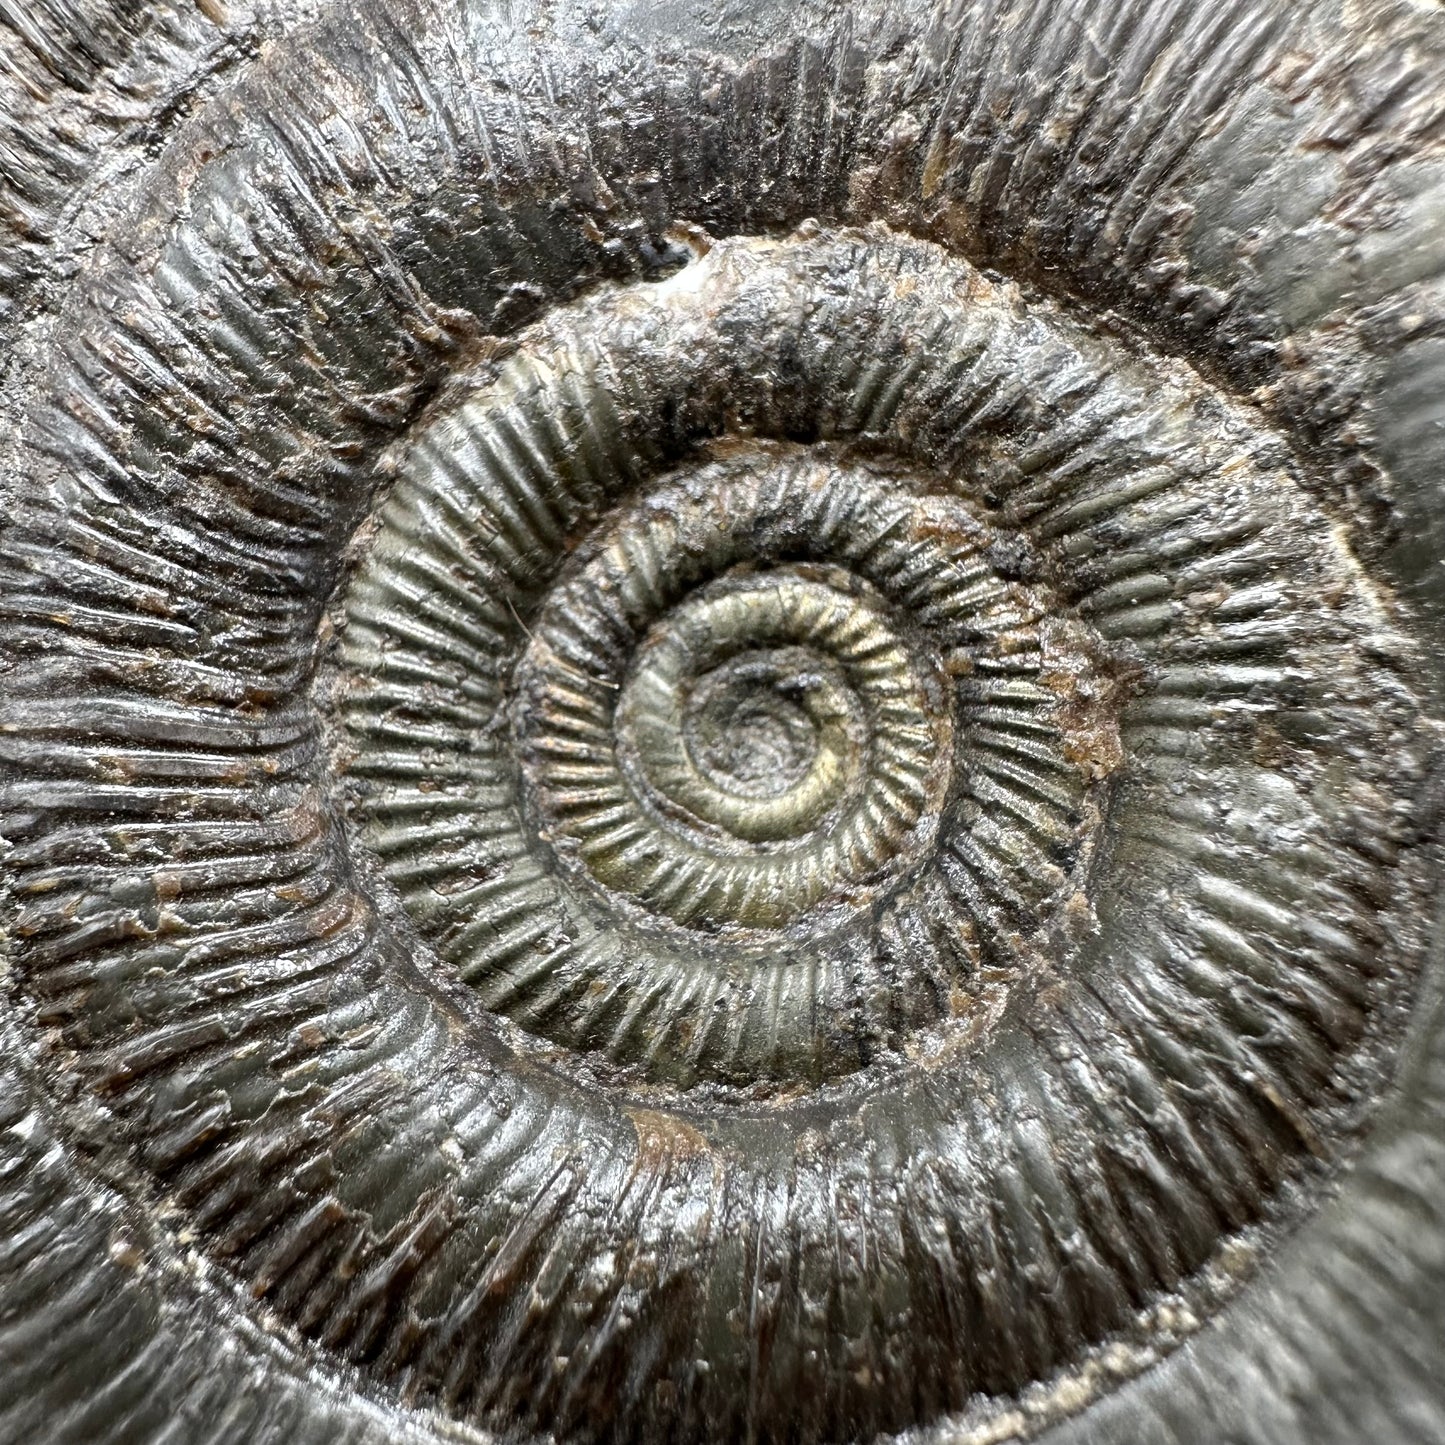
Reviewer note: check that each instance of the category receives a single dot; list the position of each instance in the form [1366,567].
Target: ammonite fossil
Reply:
[721,722]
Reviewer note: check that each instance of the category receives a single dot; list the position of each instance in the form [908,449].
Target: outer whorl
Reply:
[722,723]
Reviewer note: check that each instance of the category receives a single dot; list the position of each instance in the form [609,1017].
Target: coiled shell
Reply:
[723,724]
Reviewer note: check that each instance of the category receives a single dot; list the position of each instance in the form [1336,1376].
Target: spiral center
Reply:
[746,710]
[757,726]
[724,729]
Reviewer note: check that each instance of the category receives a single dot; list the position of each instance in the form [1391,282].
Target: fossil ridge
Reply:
[721,722]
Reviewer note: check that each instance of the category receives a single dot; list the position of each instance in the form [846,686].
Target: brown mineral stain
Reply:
[662,1138]
[935,168]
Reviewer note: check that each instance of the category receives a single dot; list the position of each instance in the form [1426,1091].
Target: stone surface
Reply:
[721,721]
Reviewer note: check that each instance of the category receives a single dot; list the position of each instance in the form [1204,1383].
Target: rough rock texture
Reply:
[721,721]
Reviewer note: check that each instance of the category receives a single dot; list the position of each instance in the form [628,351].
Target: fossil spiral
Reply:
[722,722]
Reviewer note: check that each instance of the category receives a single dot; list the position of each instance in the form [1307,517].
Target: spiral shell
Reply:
[725,725]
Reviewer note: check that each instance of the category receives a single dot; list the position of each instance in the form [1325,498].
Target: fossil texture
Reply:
[721,722]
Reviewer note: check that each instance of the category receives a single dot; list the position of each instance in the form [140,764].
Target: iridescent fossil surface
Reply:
[722,723]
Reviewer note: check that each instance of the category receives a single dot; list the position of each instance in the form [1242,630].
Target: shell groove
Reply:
[1013,712]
